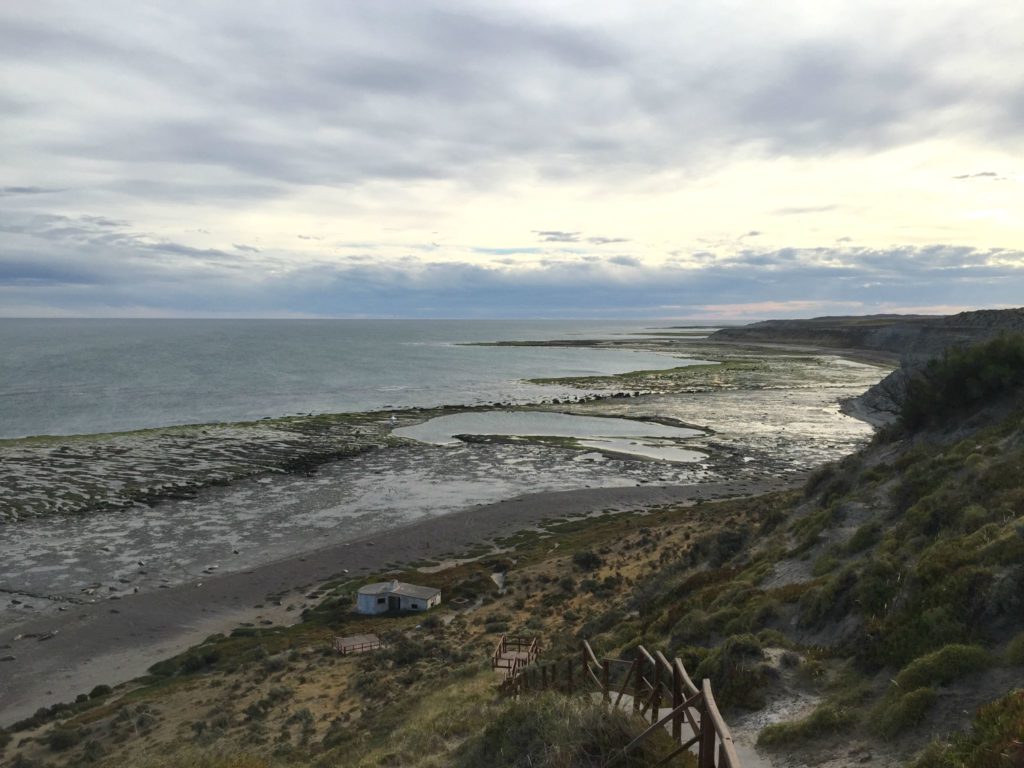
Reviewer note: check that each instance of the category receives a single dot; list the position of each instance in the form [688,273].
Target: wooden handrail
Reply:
[727,748]
[695,707]
[643,652]
[686,678]
[590,652]
[655,726]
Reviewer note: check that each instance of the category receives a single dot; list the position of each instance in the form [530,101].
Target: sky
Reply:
[714,161]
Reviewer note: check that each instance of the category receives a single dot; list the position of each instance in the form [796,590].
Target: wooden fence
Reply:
[513,654]
[652,687]
[357,644]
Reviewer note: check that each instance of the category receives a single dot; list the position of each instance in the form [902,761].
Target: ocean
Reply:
[64,377]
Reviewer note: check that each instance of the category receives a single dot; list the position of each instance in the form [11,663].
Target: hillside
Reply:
[874,616]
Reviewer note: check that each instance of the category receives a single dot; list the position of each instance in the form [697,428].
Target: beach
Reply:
[60,656]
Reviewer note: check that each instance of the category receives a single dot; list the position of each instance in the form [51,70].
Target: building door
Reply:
[394,603]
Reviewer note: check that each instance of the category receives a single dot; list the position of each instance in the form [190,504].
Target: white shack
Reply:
[384,596]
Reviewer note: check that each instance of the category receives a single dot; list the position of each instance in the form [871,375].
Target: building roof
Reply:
[399,588]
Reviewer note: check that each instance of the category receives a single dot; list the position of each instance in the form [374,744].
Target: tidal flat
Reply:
[96,518]
[124,548]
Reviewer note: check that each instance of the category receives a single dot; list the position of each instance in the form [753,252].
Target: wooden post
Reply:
[677,699]
[638,684]
[605,677]
[543,677]
[706,755]
[656,694]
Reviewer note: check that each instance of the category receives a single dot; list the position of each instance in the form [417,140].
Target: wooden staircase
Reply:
[513,654]
[649,685]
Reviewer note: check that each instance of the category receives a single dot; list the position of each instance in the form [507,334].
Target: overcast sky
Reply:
[706,160]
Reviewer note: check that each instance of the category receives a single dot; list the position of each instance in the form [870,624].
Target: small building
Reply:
[385,596]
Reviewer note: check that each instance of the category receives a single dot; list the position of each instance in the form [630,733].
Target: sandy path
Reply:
[115,640]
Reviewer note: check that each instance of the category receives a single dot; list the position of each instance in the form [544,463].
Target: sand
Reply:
[116,640]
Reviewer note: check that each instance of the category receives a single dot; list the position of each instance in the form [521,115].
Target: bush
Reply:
[943,666]
[195,660]
[963,380]
[865,536]
[895,714]
[1015,651]
[826,720]
[61,739]
[994,740]
[587,560]
[736,671]
[553,731]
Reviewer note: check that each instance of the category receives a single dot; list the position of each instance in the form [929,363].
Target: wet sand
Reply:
[114,641]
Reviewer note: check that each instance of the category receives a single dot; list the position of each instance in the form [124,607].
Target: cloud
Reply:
[152,143]
[799,210]
[18,191]
[57,265]
[561,236]
[626,261]
[557,236]
[983,175]
[345,94]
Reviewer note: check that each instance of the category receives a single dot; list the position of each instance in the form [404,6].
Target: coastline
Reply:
[756,442]
[102,643]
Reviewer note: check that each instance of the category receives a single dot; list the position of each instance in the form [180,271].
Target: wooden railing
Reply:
[513,654]
[346,648]
[654,688]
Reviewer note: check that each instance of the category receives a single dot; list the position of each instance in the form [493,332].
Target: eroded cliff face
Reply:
[911,337]
[915,339]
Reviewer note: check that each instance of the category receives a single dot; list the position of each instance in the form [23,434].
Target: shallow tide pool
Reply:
[627,436]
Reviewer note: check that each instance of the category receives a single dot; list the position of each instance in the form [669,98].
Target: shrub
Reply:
[994,740]
[943,666]
[877,585]
[826,720]
[865,536]
[587,560]
[897,713]
[1015,651]
[832,600]
[553,731]
[737,672]
[100,690]
[964,379]
[61,739]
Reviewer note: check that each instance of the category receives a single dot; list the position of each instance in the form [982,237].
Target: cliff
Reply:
[915,339]
[912,337]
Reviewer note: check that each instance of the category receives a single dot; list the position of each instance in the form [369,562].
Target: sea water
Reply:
[63,377]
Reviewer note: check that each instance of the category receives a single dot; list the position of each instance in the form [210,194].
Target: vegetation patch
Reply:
[554,731]
[943,666]
[826,720]
[995,740]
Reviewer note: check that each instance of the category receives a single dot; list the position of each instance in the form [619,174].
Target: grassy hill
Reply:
[877,611]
